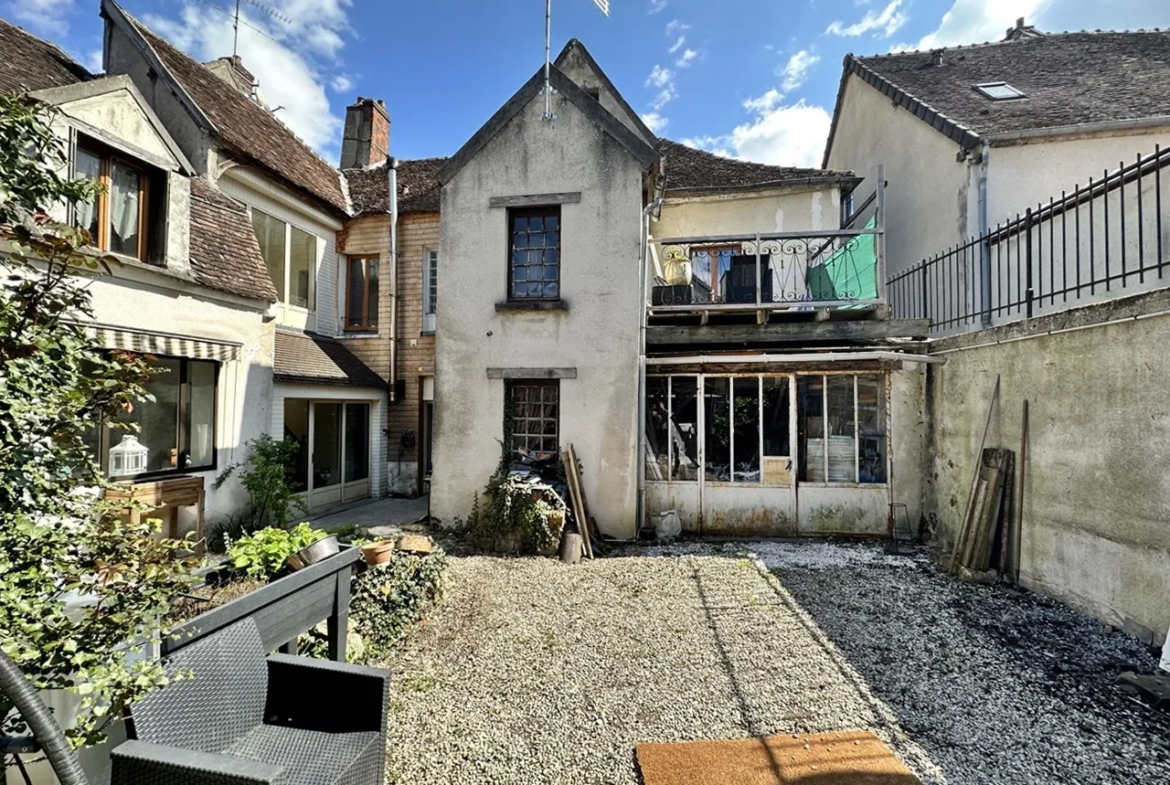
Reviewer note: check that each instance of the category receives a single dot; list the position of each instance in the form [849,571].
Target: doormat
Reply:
[845,758]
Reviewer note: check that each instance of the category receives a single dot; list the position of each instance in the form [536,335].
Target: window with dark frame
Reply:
[535,415]
[534,263]
[430,290]
[361,293]
[178,426]
[118,218]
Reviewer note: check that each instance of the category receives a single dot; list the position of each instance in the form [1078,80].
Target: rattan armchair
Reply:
[243,718]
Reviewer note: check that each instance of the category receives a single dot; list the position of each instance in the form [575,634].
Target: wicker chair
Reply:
[245,718]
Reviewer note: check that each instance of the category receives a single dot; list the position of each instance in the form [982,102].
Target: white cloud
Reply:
[676,26]
[795,71]
[792,135]
[43,15]
[686,58]
[977,21]
[287,62]
[665,96]
[657,5]
[886,22]
[682,39]
[93,61]
[341,83]
[659,77]
[655,122]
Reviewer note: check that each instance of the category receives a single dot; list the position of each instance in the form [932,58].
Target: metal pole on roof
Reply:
[548,115]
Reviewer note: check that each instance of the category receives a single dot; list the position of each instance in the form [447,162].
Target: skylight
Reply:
[999,91]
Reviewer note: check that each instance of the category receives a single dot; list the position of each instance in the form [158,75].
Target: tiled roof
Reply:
[688,169]
[315,359]
[224,251]
[1069,79]
[418,187]
[30,63]
[249,129]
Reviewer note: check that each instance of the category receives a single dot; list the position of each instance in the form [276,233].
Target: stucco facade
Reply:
[595,333]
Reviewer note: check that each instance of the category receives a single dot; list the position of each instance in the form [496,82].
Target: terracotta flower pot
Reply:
[375,553]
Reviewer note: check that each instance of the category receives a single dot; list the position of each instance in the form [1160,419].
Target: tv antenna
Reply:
[602,6]
[237,20]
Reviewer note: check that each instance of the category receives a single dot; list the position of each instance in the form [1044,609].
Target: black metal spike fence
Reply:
[1107,239]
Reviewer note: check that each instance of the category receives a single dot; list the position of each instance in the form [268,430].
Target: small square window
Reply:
[535,418]
[999,91]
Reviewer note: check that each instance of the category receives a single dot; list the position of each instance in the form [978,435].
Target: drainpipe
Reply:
[392,177]
[644,288]
[984,246]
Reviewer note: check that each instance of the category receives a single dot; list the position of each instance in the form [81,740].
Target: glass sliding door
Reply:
[333,461]
[327,464]
[357,451]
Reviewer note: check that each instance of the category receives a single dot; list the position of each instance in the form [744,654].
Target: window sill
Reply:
[373,333]
[428,333]
[533,305]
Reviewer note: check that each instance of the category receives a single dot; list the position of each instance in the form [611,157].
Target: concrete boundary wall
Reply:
[1096,516]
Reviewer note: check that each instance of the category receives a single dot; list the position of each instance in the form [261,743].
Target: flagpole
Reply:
[547,55]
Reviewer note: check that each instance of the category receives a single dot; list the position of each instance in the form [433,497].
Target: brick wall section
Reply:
[417,233]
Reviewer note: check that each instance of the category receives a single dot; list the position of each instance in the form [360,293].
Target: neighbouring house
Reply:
[407,317]
[323,395]
[734,309]
[188,283]
[1044,151]
[972,136]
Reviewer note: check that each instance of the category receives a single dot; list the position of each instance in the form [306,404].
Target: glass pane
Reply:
[124,197]
[270,233]
[717,410]
[776,408]
[357,441]
[534,419]
[158,420]
[356,294]
[810,425]
[432,284]
[747,429]
[657,418]
[684,427]
[372,294]
[871,428]
[302,266]
[89,166]
[200,419]
[296,428]
[842,451]
[326,444]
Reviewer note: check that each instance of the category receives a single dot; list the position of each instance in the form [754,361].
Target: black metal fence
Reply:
[1104,240]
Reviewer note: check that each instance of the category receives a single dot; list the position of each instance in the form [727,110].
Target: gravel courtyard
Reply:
[538,672]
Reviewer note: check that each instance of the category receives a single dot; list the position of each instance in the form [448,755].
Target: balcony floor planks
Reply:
[786,332]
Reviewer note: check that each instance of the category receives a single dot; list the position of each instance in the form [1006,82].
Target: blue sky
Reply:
[754,79]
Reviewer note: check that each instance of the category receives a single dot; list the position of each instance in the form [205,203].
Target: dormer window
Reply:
[118,218]
[999,91]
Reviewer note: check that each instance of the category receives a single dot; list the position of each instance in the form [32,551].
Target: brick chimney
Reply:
[231,70]
[366,138]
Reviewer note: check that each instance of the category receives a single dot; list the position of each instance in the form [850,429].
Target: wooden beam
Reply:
[532,373]
[796,332]
[535,200]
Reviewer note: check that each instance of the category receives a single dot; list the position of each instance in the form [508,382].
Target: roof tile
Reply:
[315,359]
[688,169]
[29,63]
[224,251]
[1068,79]
[418,187]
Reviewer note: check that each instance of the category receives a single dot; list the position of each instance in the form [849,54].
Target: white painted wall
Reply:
[781,210]
[255,190]
[926,196]
[597,335]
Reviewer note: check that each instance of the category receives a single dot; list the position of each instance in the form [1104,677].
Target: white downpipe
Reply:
[809,358]
[644,253]
[392,176]
[984,247]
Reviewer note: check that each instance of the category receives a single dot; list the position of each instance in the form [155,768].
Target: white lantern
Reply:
[128,457]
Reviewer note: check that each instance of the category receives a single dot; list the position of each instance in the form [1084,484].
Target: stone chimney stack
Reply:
[231,70]
[366,138]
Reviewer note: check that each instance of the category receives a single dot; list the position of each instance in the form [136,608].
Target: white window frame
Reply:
[288,227]
[430,279]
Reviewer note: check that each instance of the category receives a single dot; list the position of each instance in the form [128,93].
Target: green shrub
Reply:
[385,601]
[261,554]
[273,498]
[515,518]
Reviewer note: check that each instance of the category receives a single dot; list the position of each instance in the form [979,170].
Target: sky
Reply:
[750,79]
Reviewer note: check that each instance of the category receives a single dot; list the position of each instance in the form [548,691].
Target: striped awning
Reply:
[163,344]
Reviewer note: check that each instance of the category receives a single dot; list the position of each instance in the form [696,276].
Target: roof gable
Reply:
[1068,80]
[111,110]
[30,63]
[249,131]
[627,139]
[577,64]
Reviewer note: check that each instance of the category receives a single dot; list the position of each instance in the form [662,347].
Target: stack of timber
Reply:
[983,532]
[586,526]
